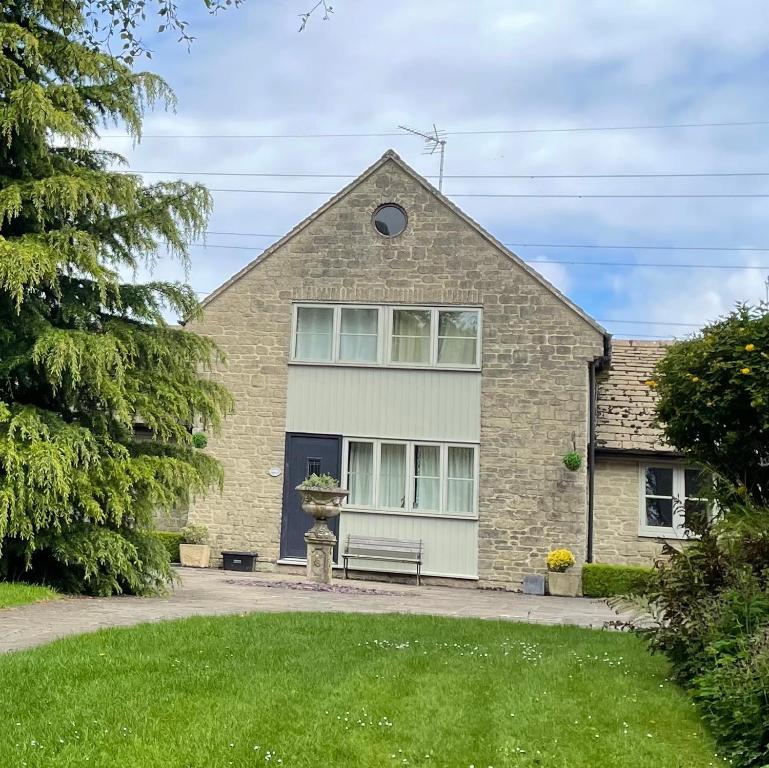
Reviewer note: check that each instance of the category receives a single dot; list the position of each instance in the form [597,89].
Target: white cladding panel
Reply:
[384,403]
[450,546]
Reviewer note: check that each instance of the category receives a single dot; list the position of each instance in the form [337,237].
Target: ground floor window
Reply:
[667,493]
[415,477]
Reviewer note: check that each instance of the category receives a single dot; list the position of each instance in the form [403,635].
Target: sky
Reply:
[491,66]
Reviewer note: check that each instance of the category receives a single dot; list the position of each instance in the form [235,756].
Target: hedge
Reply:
[609,580]
[171,541]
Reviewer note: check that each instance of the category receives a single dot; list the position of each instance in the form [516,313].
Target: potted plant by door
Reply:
[560,581]
[193,551]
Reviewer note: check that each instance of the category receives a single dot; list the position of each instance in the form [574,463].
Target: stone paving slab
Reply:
[209,592]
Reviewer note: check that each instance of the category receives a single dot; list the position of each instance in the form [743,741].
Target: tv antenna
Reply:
[433,141]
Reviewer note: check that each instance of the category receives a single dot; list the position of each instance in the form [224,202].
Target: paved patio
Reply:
[216,592]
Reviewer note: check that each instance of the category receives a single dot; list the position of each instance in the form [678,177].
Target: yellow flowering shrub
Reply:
[712,400]
[559,560]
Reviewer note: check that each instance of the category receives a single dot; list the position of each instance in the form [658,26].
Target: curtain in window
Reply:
[427,484]
[460,483]
[360,474]
[392,476]
[314,333]
[411,336]
[457,338]
[659,497]
[358,336]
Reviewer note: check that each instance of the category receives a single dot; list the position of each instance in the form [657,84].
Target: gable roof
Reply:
[392,157]
[625,414]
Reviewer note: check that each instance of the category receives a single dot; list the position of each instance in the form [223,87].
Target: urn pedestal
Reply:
[322,504]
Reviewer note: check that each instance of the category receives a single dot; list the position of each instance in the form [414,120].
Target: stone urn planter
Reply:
[566,584]
[323,503]
[195,555]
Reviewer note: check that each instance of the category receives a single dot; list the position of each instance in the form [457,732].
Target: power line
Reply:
[565,245]
[651,322]
[480,176]
[496,131]
[719,196]
[647,264]
[640,247]
[570,262]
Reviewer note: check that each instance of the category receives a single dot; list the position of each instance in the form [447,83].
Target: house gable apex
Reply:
[393,157]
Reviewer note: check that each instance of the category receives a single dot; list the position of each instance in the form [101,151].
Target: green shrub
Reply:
[171,541]
[733,693]
[609,580]
[194,534]
[707,611]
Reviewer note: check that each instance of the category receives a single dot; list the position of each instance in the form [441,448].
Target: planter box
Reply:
[564,584]
[195,555]
[239,561]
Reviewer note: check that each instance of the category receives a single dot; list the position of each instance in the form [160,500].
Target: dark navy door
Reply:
[305,455]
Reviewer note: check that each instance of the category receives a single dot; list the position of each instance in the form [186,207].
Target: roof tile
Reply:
[625,414]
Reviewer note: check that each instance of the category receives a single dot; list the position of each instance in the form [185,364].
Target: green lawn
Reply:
[345,692]
[14,593]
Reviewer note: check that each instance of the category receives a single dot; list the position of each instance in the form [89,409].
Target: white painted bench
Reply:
[385,550]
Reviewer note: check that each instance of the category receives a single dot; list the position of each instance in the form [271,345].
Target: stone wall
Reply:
[617,514]
[534,391]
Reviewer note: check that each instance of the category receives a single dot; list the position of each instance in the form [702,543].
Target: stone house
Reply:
[390,341]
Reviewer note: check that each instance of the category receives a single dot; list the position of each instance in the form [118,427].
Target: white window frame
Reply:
[295,329]
[445,477]
[336,333]
[374,468]
[679,497]
[412,478]
[408,509]
[377,466]
[433,344]
[384,336]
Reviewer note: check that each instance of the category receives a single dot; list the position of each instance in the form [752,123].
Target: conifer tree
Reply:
[85,354]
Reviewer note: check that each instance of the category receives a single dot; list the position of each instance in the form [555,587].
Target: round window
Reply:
[390,220]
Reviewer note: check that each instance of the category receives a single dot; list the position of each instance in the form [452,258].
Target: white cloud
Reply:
[488,65]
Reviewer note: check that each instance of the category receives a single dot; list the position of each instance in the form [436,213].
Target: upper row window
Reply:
[419,336]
